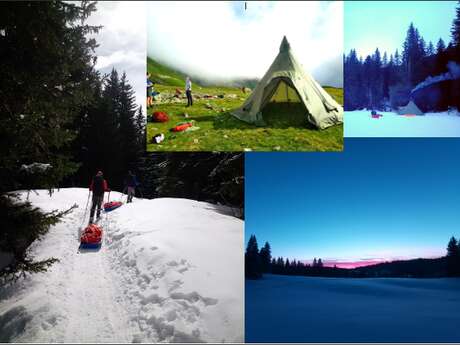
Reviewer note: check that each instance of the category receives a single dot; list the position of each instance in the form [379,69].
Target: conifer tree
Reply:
[320,263]
[453,255]
[46,72]
[440,46]
[455,30]
[265,257]
[253,269]
[128,132]
[430,49]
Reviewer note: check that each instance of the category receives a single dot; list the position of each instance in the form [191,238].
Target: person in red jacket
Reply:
[98,186]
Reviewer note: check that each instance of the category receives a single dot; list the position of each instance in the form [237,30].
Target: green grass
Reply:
[220,131]
[164,75]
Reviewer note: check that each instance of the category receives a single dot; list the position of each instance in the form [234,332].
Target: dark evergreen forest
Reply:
[427,73]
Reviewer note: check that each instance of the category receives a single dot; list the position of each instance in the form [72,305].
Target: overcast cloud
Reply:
[222,40]
[122,41]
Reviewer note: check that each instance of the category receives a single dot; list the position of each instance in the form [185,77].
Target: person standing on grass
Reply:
[98,186]
[149,91]
[188,91]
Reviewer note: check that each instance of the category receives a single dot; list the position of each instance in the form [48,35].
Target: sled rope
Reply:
[86,209]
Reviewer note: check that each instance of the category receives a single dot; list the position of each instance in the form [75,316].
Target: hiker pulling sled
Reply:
[98,186]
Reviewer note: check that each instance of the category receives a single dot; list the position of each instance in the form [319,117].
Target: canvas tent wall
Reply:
[410,109]
[286,81]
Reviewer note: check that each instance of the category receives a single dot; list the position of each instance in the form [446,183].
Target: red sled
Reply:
[160,116]
[91,237]
[112,205]
[182,127]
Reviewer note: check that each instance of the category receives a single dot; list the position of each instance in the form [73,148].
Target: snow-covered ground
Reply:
[310,309]
[169,270]
[360,124]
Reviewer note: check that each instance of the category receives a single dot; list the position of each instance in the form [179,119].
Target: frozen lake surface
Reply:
[312,309]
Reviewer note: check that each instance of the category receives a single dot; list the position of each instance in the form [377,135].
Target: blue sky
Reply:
[383,24]
[381,199]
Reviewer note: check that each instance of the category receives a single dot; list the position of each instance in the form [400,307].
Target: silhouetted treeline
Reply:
[389,80]
[258,262]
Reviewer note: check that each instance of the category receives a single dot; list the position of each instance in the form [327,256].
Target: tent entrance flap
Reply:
[280,90]
[284,93]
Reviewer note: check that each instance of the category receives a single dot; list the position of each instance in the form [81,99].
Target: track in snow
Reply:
[145,284]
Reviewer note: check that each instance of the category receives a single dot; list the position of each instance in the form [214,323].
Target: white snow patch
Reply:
[359,123]
[284,309]
[169,270]
[36,167]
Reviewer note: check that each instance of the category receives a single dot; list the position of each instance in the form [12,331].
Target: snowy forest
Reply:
[427,73]
[61,119]
[216,177]
[258,262]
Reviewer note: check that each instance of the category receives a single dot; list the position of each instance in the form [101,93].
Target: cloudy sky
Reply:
[122,41]
[222,40]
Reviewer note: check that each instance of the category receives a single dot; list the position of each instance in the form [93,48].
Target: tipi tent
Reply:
[286,81]
[410,109]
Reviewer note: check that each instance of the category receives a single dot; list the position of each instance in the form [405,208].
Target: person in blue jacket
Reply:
[130,184]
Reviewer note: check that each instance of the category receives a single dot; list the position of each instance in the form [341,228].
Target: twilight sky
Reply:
[221,40]
[383,24]
[381,199]
[122,41]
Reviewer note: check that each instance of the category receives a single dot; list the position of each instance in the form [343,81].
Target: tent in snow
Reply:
[285,82]
[410,109]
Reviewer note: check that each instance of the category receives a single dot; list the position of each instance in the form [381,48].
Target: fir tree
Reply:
[320,263]
[140,123]
[440,46]
[253,267]
[453,258]
[430,49]
[265,257]
[46,73]
[455,30]
[127,130]
[385,59]
[397,58]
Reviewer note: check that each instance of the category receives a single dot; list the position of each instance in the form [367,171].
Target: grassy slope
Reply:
[220,131]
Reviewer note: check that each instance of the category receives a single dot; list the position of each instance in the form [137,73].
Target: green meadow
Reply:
[218,130]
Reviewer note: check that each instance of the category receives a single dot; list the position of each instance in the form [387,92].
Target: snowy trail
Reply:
[95,310]
[146,283]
